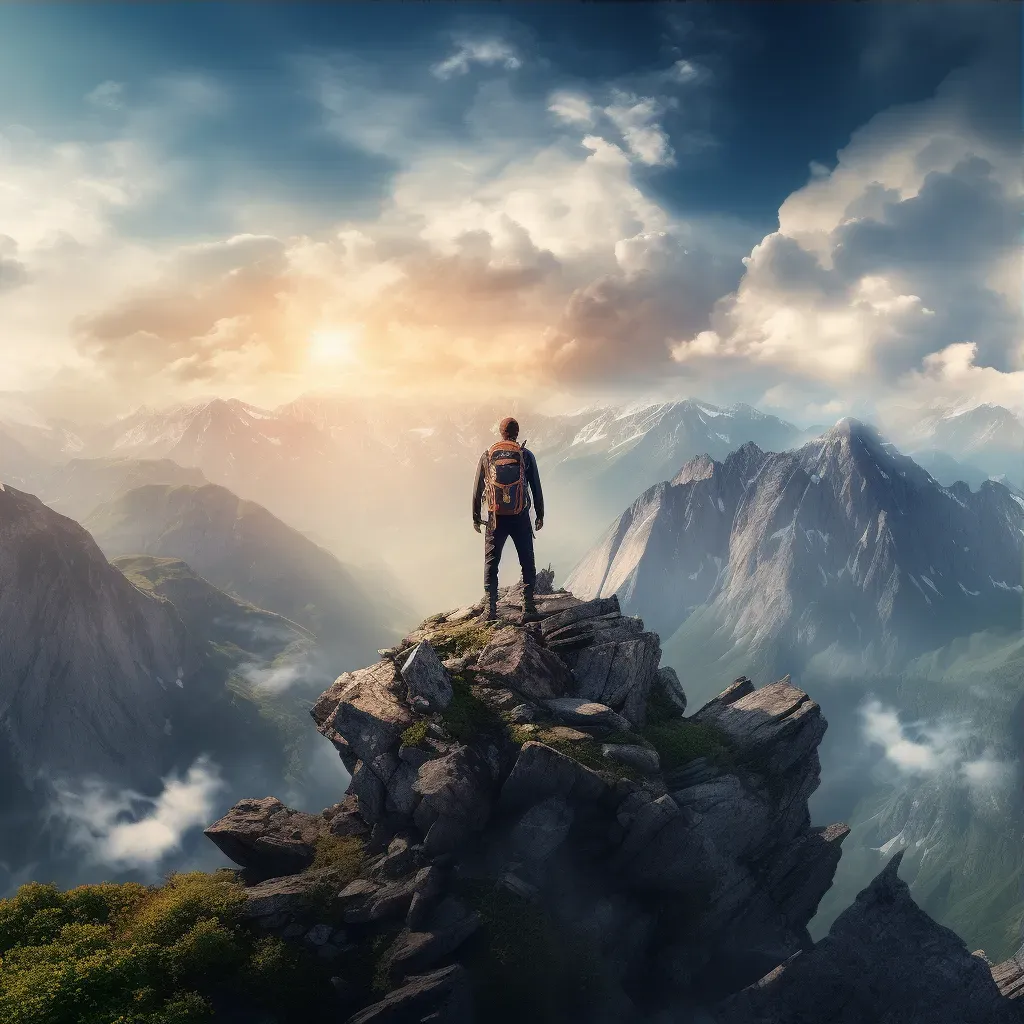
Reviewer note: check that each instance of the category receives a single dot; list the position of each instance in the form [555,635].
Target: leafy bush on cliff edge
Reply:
[133,954]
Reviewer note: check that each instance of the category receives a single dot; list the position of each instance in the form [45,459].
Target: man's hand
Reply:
[476,525]
[540,523]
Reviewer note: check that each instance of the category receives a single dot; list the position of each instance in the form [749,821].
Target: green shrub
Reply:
[416,734]
[130,954]
[344,856]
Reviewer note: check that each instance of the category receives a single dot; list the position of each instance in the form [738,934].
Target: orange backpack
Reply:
[506,478]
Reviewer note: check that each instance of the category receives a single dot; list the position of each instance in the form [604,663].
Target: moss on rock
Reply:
[680,741]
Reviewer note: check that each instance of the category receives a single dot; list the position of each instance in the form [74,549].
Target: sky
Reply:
[813,208]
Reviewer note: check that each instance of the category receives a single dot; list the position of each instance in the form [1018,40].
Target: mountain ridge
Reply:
[855,526]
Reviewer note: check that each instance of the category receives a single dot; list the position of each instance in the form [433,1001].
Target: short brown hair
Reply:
[509,428]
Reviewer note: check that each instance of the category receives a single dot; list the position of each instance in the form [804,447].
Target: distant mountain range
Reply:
[348,472]
[841,556]
[985,439]
[243,550]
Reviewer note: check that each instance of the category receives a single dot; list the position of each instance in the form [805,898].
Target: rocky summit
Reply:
[535,829]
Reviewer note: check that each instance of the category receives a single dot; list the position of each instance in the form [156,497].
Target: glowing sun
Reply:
[333,346]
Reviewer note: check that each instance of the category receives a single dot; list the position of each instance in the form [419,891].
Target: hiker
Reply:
[505,476]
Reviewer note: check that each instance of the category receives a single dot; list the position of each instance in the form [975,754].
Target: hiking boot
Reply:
[491,606]
[530,613]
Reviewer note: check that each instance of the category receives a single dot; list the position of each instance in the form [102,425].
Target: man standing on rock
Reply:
[505,476]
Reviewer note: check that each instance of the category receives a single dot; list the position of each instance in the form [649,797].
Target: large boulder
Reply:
[607,607]
[587,632]
[778,724]
[523,665]
[586,713]
[671,688]
[618,674]
[268,838]
[455,793]
[541,772]
[426,678]
[271,901]
[362,709]
[884,960]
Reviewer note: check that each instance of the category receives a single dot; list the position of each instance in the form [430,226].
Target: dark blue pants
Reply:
[520,529]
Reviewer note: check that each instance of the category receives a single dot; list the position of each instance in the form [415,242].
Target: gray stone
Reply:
[520,888]
[800,875]
[290,895]
[608,606]
[670,686]
[587,713]
[267,837]
[541,772]
[413,951]
[883,960]
[516,658]
[1009,976]
[457,786]
[737,689]
[364,901]
[778,723]
[398,861]
[445,835]
[440,997]
[619,675]
[738,820]
[415,756]
[594,631]
[427,891]
[542,829]
[361,708]
[426,677]
[401,797]
[522,713]
[369,789]
[644,759]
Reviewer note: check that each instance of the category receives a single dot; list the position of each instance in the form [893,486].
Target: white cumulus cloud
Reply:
[123,828]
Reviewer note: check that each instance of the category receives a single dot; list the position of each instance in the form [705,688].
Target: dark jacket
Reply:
[532,480]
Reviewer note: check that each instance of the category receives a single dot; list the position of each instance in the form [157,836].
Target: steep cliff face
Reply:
[842,551]
[86,659]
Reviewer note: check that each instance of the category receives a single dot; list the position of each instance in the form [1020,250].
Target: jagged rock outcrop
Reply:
[884,960]
[509,830]
[687,840]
